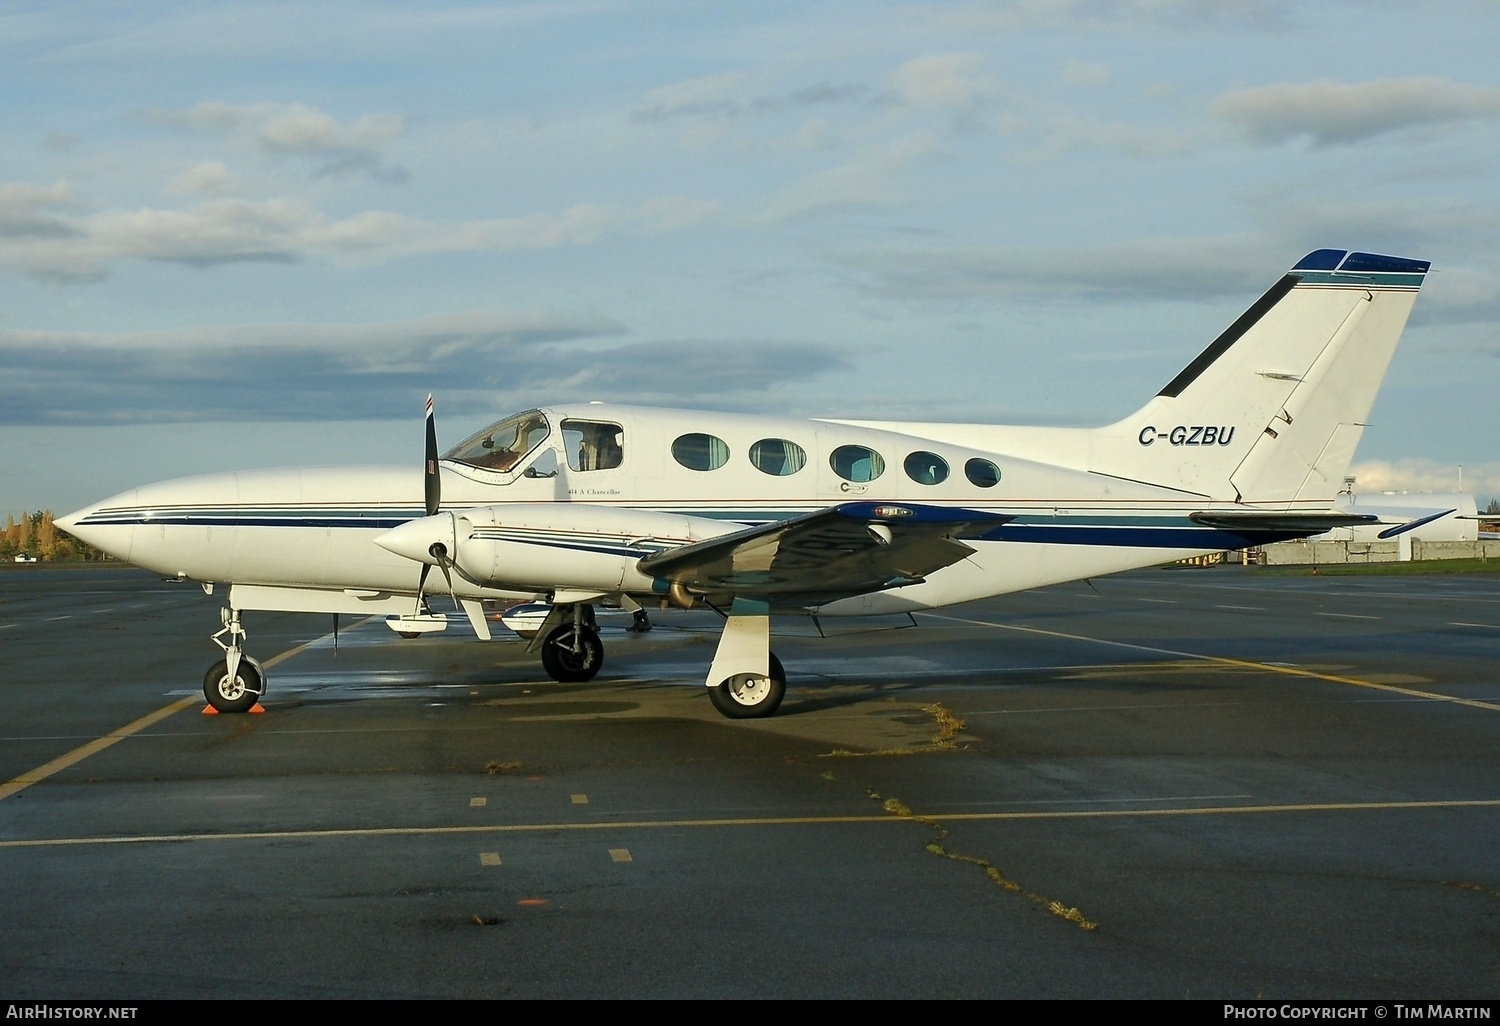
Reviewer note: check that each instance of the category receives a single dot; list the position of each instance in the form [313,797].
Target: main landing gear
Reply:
[747,696]
[235,683]
[572,652]
[746,680]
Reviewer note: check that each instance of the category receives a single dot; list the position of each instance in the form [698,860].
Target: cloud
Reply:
[34,212]
[267,372]
[299,130]
[1085,74]
[1416,474]
[1061,131]
[208,177]
[710,96]
[1154,269]
[728,372]
[1331,113]
[1099,15]
[41,237]
[960,85]
[478,362]
[674,213]
[728,96]
[946,81]
[872,180]
[302,129]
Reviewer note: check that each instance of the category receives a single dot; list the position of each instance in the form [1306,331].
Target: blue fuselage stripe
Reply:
[1147,531]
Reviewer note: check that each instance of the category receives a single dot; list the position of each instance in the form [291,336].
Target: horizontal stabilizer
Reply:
[1283,524]
[1412,525]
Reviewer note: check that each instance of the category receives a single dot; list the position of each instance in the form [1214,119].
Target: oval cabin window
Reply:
[927,468]
[856,463]
[982,473]
[698,451]
[777,457]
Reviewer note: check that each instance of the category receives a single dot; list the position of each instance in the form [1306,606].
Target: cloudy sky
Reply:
[257,234]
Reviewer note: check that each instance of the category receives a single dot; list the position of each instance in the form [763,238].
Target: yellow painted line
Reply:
[94,747]
[99,744]
[620,855]
[1244,664]
[681,824]
[580,799]
[478,803]
[489,858]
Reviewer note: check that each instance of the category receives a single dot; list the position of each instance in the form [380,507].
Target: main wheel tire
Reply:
[565,665]
[746,696]
[237,695]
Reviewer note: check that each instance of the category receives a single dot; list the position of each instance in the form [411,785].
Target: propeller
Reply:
[432,494]
[432,488]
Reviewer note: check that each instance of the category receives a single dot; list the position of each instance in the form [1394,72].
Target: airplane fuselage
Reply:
[313,530]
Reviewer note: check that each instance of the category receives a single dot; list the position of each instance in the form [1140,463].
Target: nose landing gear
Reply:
[235,683]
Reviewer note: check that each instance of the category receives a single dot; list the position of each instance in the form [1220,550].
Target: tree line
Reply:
[35,535]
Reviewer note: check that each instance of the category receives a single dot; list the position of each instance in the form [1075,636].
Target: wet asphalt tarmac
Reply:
[1207,783]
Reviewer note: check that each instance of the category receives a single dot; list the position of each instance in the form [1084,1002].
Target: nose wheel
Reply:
[235,693]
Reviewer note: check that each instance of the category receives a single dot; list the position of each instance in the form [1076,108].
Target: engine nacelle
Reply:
[546,546]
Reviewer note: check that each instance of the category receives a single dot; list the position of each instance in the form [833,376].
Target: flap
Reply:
[850,549]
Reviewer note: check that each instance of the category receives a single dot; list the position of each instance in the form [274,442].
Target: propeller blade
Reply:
[439,552]
[432,484]
[422,585]
[431,492]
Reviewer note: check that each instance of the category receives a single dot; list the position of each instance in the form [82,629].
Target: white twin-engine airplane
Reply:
[593,505]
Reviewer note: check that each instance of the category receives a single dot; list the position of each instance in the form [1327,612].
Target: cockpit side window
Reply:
[502,446]
[593,445]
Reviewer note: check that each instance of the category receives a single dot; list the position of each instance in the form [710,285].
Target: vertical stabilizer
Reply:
[1271,411]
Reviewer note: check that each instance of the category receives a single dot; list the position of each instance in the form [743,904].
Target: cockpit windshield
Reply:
[502,446]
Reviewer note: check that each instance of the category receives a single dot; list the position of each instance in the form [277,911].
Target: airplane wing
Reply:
[851,549]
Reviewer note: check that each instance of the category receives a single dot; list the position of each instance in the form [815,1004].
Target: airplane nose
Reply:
[415,538]
[110,538]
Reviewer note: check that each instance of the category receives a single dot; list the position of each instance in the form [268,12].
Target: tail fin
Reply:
[1271,411]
